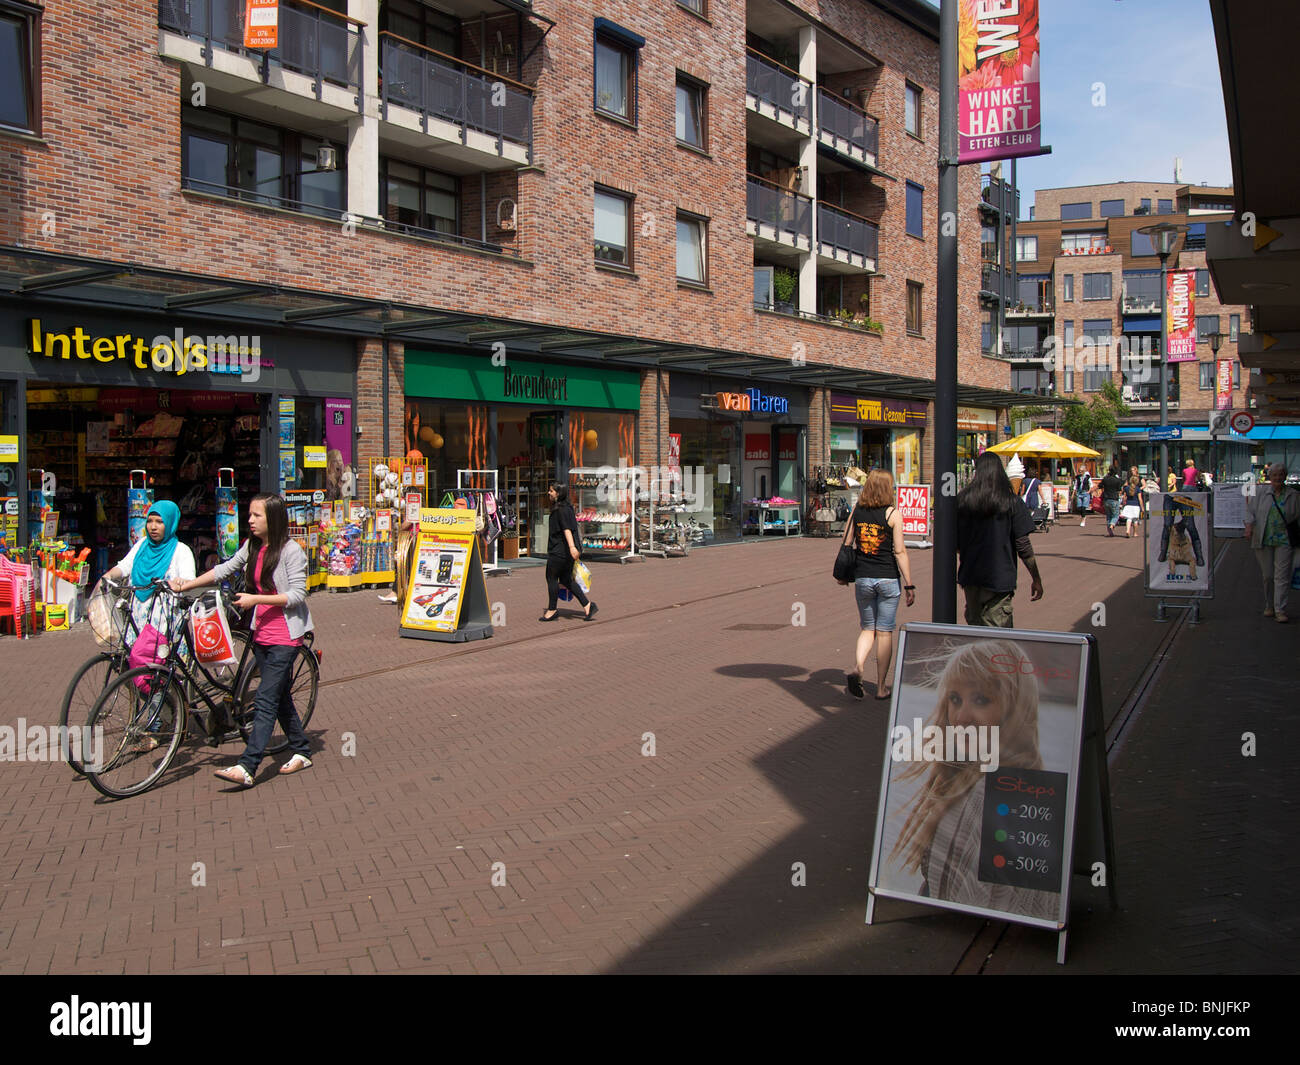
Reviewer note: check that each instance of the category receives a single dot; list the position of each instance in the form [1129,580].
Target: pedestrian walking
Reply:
[1111,485]
[563,549]
[157,554]
[1131,503]
[1171,480]
[993,527]
[275,572]
[1273,515]
[875,529]
[1189,474]
[1082,489]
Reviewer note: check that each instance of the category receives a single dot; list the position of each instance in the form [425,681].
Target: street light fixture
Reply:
[1216,340]
[1163,236]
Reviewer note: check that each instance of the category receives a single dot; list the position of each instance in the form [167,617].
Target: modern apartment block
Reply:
[505,234]
[1086,279]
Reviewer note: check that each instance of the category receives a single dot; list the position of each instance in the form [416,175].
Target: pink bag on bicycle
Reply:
[145,652]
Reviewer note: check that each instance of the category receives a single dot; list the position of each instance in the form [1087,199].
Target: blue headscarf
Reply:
[153,559]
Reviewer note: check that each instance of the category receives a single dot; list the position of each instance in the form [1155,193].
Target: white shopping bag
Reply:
[582,577]
[210,635]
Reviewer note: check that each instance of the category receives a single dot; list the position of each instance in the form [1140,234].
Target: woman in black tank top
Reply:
[875,530]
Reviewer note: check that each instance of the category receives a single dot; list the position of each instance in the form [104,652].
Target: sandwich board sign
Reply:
[994,788]
[446,598]
[1179,545]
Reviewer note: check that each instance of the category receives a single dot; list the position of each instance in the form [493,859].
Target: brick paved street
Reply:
[526,749]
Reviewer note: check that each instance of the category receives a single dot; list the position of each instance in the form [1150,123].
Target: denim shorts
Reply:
[878,601]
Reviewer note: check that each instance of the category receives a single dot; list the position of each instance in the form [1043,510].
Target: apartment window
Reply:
[1236,375]
[1234,327]
[1096,286]
[1207,376]
[1073,212]
[421,24]
[692,260]
[1144,207]
[1098,334]
[615,88]
[912,109]
[1112,208]
[1165,207]
[419,198]
[1142,244]
[1202,282]
[228,155]
[915,209]
[1026,249]
[1195,236]
[1067,287]
[691,115]
[1205,325]
[1082,243]
[693,5]
[20,67]
[1067,356]
[612,230]
[914,308]
[1095,377]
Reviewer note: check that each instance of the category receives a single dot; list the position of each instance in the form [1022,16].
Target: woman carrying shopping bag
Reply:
[562,552]
[275,571]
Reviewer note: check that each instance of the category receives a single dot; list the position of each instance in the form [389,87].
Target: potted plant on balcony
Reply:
[785,282]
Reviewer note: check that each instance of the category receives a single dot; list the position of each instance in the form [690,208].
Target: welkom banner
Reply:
[998,97]
[1180,304]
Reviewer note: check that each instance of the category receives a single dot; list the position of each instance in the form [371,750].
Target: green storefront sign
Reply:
[444,375]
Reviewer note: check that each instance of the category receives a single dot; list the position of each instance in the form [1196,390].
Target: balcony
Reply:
[777,216]
[1039,308]
[484,119]
[992,282]
[318,59]
[778,93]
[992,192]
[846,240]
[846,129]
[1140,301]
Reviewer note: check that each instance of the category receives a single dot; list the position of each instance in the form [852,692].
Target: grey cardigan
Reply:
[290,579]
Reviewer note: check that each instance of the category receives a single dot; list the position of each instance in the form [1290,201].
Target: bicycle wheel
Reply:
[303,682]
[87,684]
[137,731]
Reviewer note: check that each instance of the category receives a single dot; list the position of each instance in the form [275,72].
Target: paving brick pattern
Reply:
[526,750]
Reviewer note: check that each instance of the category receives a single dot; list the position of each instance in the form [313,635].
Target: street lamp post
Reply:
[1163,235]
[1216,341]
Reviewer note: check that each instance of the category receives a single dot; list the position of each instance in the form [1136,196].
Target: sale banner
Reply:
[261,23]
[998,113]
[1223,384]
[1180,316]
[914,508]
[758,447]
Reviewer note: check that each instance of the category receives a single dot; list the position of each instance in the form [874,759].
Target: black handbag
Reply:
[845,564]
[1292,527]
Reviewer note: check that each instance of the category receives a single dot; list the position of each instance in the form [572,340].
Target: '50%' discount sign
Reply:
[914,508]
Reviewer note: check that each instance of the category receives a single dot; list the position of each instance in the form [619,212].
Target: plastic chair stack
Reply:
[17,597]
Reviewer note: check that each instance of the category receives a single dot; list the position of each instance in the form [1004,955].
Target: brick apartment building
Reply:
[1083,270]
[512,236]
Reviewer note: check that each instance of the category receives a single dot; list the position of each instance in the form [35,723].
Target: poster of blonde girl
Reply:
[982,744]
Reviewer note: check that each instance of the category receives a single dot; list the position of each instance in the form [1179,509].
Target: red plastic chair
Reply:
[17,597]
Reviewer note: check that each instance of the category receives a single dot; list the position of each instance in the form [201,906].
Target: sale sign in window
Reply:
[261,23]
[914,509]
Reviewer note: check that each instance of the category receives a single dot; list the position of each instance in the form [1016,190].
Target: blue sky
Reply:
[1163,93]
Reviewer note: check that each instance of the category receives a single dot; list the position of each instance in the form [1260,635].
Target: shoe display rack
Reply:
[669,528]
[603,502]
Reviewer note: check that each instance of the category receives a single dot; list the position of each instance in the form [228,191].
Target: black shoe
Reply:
[592,612]
[855,685]
[553,617]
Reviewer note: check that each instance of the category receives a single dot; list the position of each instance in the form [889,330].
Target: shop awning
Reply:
[40,278]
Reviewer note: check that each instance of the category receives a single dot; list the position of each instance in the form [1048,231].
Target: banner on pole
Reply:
[998,97]
[1223,384]
[1180,311]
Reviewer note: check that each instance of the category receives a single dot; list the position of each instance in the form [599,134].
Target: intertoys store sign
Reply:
[179,353]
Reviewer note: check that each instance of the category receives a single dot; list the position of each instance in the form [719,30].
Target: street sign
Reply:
[1219,421]
[1243,421]
[1165,432]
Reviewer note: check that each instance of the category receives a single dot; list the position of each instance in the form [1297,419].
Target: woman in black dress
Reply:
[562,551]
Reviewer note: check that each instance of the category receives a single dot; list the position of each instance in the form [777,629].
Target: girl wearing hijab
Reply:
[158,554]
[275,574]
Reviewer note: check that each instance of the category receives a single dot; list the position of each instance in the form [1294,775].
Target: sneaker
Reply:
[855,685]
[1268,611]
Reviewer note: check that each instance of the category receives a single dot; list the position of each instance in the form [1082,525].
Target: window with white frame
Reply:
[692,249]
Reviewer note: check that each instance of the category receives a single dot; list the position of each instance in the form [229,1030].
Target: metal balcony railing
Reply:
[992,280]
[1139,300]
[778,86]
[847,232]
[440,86]
[313,41]
[849,126]
[789,212]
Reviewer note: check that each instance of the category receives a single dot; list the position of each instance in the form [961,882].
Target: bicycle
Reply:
[144,723]
[116,630]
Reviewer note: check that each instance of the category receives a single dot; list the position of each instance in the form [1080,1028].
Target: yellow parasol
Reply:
[1040,443]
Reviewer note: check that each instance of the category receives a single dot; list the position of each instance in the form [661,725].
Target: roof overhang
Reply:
[45,279]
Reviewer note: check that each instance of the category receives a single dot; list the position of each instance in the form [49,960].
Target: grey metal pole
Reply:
[944,596]
[1164,381]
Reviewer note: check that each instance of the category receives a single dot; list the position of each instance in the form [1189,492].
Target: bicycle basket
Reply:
[109,611]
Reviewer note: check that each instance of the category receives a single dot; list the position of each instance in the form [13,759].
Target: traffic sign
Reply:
[1165,432]
[1219,421]
[1243,421]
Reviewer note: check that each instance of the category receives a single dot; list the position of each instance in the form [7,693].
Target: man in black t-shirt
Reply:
[1110,489]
